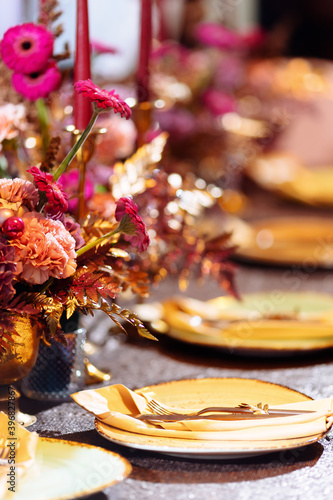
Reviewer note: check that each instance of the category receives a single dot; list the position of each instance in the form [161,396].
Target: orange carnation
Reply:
[45,249]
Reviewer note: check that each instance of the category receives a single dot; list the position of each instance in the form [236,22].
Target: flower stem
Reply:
[92,244]
[79,143]
[43,119]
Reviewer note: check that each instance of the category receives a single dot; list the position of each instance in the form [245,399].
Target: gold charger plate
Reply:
[275,323]
[211,392]
[285,175]
[287,241]
[65,470]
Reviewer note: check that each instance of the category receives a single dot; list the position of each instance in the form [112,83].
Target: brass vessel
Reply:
[21,356]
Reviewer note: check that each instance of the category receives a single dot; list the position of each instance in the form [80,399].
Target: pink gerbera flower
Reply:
[103,99]
[54,194]
[131,224]
[26,48]
[36,85]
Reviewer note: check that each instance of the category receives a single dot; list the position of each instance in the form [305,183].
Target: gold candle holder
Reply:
[142,116]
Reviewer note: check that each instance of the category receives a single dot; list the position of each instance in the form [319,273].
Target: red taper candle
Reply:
[82,105]
[145,47]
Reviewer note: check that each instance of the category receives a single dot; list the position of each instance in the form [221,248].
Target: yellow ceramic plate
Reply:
[286,241]
[276,322]
[65,470]
[284,174]
[210,392]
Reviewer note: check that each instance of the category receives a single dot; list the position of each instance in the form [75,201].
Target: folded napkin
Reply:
[24,449]
[117,406]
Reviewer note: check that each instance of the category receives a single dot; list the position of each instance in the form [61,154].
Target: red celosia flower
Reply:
[26,48]
[54,194]
[36,85]
[103,99]
[131,224]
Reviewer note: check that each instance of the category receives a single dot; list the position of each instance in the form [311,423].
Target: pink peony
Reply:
[18,191]
[54,193]
[26,48]
[131,224]
[45,249]
[103,99]
[38,84]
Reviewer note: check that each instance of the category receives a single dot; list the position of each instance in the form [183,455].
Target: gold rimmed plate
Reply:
[287,241]
[284,174]
[64,470]
[275,323]
[210,392]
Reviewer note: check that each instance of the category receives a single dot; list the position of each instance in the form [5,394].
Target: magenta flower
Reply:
[103,99]
[216,35]
[69,182]
[54,193]
[26,48]
[254,39]
[13,227]
[131,224]
[36,85]
[218,102]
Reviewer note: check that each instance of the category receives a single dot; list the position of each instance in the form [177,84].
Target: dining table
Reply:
[300,473]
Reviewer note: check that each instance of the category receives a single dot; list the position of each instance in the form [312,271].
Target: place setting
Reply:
[275,323]
[185,418]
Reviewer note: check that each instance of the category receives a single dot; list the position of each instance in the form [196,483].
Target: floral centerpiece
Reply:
[50,266]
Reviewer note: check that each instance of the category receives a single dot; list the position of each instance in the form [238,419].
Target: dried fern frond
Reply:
[51,153]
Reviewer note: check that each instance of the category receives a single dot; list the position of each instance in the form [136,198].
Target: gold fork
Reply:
[243,408]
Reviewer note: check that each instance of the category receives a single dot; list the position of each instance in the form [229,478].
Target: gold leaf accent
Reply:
[71,306]
[118,252]
[129,178]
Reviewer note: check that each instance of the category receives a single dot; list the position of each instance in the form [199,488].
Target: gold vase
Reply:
[17,362]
